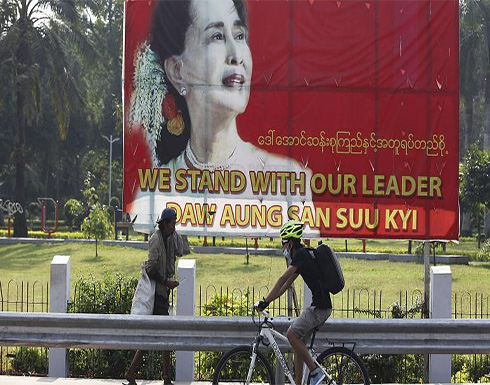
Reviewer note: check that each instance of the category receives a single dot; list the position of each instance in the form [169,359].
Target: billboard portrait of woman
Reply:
[192,78]
[242,114]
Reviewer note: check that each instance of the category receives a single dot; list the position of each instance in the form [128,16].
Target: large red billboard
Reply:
[341,114]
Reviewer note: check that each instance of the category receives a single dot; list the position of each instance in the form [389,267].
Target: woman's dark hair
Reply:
[171,20]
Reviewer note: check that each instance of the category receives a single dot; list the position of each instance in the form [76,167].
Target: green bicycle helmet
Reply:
[291,229]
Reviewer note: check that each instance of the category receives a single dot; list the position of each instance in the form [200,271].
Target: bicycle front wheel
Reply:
[343,366]
[234,367]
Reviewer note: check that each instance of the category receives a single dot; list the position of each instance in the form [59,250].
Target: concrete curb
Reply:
[445,259]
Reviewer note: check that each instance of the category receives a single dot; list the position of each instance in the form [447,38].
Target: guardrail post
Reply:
[186,302]
[440,307]
[59,294]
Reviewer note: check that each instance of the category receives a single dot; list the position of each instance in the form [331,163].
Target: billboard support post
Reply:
[426,301]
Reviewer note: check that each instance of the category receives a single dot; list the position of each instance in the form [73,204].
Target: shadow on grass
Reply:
[93,259]
[244,268]
[481,265]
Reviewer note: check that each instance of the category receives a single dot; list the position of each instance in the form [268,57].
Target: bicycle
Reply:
[247,364]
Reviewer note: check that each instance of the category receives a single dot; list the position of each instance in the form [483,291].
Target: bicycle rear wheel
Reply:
[233,367]
[344,366]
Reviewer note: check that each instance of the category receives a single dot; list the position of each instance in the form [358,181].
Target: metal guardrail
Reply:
[396,336]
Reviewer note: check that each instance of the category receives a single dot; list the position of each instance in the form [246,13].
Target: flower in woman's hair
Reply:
[175,122]
[169,108]
[176,125]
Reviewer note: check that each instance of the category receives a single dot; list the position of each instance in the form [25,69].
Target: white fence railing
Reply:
[109,331]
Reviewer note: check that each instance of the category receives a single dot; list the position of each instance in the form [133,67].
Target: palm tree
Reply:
[35,39]
[473,63]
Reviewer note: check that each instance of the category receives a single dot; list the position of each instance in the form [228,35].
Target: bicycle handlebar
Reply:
[262,312]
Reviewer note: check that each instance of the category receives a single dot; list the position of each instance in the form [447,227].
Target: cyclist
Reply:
[301,263]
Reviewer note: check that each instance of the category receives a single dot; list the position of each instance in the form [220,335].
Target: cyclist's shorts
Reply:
[309,319]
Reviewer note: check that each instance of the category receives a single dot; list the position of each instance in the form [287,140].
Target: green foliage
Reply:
[57,235]
[474,190]
[38,79]
[97,163]
[74,213]
[89,193]
[30,361]
[473,71]
[470,368]
[33,209]
[97,225]
[115,202]
[398,312]
[228,305]
[484,252]
[434,247]
[394,368]
[111,295]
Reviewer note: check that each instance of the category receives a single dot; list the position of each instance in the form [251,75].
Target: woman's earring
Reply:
[183,91]
[175,121]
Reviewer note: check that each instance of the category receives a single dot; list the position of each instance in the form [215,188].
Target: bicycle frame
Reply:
[269,334]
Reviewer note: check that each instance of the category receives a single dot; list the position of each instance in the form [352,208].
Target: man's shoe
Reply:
[316,378]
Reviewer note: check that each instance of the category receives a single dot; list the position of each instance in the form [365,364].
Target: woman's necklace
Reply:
[194,162]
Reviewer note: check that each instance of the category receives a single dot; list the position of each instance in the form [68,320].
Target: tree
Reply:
[473,64]
[97,225]
[475,184]
[97,163]
[74,213]
[35,38]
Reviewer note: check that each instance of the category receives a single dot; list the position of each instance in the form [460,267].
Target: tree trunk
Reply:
[486,130]
[20,225]
[465,224]
[479,232]
[468,117]
[486,139]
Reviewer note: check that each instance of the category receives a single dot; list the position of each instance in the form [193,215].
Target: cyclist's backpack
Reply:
[329,267]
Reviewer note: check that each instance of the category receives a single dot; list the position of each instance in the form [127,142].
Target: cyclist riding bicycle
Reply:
[301,263]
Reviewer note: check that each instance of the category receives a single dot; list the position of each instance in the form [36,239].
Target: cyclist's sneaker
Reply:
[317,376]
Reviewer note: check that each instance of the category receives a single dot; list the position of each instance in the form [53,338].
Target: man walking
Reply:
[164,246]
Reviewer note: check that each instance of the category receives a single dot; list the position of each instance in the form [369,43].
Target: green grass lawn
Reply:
[32,263]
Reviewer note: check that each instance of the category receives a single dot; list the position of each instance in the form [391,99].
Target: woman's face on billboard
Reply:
[217,62]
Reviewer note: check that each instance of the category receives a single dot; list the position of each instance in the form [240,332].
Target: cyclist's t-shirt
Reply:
[307,268]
